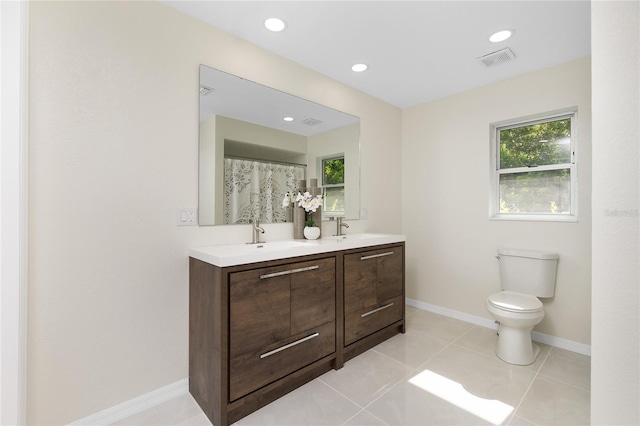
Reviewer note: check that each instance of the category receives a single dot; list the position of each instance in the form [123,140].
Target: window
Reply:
[534,169]
[333,186]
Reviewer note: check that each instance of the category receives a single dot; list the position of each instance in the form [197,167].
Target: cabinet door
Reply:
[313,294]
[360,282]
[372,277]
[390,273]
[259,310]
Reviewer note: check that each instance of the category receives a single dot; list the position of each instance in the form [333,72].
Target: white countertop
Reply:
[238,254]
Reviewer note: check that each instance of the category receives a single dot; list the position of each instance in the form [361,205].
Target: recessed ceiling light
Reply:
[500,36]
[288,119]
[359,67]
[275,24]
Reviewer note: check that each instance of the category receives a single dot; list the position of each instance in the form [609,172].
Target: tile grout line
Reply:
[515,410]
[448,344]
[362,410]
[463,334]
[413,370]
[565,383]
[352,417]
[416,369]
[392,385]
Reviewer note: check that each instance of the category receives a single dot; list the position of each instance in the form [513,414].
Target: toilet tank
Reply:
[528,271]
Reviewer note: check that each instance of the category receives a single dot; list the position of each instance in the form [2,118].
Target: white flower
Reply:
[307,201]
[287,200]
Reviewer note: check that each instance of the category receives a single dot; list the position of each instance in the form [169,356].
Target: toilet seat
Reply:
[512,301]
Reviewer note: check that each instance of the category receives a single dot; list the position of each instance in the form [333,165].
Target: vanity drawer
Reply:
[257,368]
[366,321]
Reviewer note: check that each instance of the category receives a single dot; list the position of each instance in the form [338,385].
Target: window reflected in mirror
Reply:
[333,186]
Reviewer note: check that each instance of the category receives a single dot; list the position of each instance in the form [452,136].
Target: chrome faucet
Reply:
[257,230]
[340,225]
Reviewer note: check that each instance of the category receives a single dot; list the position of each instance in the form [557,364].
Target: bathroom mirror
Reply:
[257,142]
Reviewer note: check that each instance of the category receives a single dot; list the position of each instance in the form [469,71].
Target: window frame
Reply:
[331,213]
[495,171]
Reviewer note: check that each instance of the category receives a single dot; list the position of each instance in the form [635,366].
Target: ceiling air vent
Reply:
[310,121]
[497,58]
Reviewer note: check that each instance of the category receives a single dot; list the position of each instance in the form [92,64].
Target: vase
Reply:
[298,223]
[311,232]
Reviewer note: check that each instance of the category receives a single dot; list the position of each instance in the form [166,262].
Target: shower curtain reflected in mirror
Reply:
[255,190]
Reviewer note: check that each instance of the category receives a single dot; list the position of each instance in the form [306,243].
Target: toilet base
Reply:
[514,345]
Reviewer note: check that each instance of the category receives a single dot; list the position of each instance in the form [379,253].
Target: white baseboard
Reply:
[558,342]
[136,405]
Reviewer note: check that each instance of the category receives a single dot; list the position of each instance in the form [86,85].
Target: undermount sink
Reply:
[242,253]
[276,245]
[354,237]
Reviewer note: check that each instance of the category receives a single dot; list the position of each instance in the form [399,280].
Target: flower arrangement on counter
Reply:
[308,202]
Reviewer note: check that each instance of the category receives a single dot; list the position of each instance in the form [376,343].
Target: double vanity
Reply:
[267,318]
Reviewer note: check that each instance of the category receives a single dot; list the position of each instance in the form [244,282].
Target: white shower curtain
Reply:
[255,190]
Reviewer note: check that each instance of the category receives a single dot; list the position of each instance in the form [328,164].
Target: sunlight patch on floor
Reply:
[491,410]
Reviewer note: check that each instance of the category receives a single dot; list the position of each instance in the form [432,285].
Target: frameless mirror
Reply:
[257,143]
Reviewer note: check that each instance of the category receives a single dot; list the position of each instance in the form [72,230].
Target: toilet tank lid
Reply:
[533,254]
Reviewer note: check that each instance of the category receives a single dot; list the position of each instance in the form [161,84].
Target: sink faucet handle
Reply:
[339,225]
[257,230]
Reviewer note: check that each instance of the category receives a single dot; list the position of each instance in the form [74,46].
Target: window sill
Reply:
[535,218]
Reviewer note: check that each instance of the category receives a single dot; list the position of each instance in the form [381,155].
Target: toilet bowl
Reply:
[516,314]
[525,275]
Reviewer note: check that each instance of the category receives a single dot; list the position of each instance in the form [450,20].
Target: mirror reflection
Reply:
[258,143]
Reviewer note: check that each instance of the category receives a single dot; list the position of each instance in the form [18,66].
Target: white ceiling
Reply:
[417,51]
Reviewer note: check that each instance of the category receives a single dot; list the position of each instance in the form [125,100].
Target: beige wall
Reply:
[451,243]
[113,154]
[209,172]
[255,134]
[615,372]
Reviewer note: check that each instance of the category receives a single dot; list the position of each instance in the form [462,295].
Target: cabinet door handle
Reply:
[376,310]
[376,255]
[288,272]
[282,348]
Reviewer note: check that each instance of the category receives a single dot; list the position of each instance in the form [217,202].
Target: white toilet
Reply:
[525,275]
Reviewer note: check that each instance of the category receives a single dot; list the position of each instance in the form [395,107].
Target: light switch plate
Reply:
[186,216]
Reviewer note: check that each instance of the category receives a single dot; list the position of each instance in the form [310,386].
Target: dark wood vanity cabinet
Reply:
[259,331]
[373,292]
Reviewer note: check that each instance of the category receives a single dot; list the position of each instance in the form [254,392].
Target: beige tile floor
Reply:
[441,372]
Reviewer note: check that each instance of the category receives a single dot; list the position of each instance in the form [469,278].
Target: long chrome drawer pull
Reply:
[376,255]
[376,310]
[290,271]
[306,268]
[282,348]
